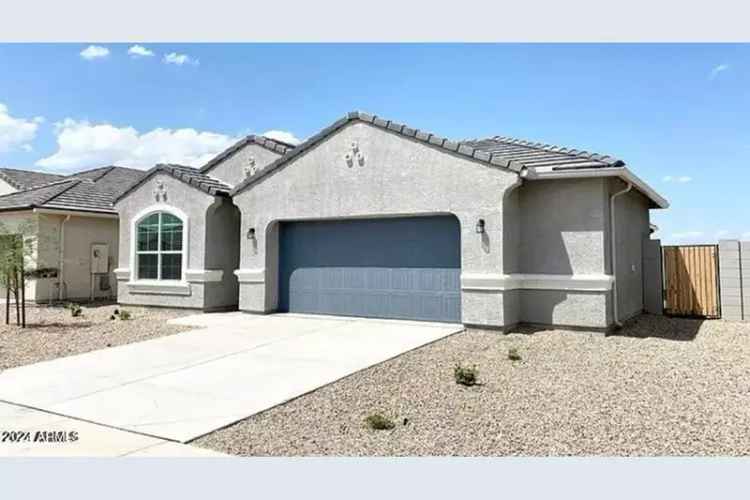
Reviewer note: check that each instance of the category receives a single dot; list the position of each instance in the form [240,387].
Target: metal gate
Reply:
[691,280]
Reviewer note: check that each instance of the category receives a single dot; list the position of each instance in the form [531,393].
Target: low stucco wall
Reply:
[734,279]
[398,177]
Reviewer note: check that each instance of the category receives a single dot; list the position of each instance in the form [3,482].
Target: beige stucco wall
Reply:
[6,188]
[232,169]
[400,176]
[26,221]
[81,232]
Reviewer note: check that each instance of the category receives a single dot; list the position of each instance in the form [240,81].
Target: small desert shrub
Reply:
[75,309]
[513,354]
[125,315]
[378,422]
[465,375]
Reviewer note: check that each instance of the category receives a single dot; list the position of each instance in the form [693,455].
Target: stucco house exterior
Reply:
[370,217]
[74,225]
[180,231]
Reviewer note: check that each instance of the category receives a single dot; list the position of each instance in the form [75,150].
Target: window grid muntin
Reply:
[158,252]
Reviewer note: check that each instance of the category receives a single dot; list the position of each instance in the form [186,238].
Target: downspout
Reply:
[613,249]
[61,266]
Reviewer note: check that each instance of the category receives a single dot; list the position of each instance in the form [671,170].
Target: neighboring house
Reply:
[373,218]
[75,225]
[13,179]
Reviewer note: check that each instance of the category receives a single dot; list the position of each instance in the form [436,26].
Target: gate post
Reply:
[653,295]
[730,280]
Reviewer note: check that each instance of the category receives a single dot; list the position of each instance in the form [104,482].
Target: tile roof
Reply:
[502,152]
[89,191]
[274,145]
[24,179]
[189,175]
[519,153]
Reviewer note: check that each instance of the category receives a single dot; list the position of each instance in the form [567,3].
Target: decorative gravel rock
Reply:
[52,332]
[660,386]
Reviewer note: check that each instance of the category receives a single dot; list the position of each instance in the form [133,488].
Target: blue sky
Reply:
[677,114]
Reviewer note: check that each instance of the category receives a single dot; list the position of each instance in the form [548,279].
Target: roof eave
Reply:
[622,172]
[447,145]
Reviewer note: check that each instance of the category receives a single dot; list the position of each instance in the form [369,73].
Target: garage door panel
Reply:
[406,268]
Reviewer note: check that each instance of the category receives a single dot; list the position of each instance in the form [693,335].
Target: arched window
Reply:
[159,249]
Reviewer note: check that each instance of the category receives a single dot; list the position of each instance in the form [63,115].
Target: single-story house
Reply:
[74,225]
[374,218]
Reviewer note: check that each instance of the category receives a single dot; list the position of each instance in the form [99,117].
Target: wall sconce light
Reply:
[480,226]
[251,233]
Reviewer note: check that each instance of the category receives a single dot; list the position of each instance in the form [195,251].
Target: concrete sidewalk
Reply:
[32,433]
[186,385]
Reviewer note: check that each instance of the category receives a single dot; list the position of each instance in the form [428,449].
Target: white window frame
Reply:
[134,253]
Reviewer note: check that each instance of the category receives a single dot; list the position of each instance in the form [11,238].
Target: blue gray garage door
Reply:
[404,268]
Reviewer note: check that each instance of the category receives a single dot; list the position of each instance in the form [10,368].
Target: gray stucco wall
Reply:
[632,229]
[232,169]
[399,177]
[222,252]
[565,308]
[653,300]
[562,226]
[562,231]
[194,204]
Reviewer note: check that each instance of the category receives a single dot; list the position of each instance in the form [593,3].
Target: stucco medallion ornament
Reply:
[251,167]
[354,155]
[160,191]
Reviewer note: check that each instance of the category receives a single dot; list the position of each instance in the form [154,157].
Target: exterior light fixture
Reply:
[480,226]
[251,233]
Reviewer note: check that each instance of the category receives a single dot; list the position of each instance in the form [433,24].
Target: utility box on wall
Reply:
[99,258]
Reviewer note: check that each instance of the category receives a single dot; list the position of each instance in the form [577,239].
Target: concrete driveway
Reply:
[186,385]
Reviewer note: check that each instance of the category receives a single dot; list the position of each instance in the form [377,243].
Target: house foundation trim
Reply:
[159,287]
[203,275]
[568,282]
[250,275]
[122,273]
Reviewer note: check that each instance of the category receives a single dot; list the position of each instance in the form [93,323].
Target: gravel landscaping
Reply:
[660,386]
[52,332]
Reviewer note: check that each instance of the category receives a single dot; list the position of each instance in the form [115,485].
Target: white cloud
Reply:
[94,52]
[282,135]
[717,69]
[137,51]
[681,178]
[179,59]
[16,133]
[81,144]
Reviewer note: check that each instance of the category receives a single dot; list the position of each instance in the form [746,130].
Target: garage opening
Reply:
[401,268]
